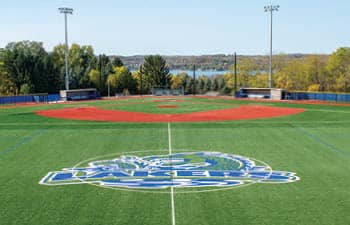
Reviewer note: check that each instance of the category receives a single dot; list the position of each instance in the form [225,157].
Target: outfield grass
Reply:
[314,144]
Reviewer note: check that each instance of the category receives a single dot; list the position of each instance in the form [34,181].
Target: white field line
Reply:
[171,188]
[169,138]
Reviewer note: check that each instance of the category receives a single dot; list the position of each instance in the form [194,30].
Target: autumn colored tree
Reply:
[121,79]
[338,68]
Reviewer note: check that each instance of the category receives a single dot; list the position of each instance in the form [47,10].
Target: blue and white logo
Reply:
[191,169]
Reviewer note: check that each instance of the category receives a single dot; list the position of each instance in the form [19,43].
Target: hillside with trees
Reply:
[26,67]
[218,62]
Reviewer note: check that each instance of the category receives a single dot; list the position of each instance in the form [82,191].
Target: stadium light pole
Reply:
[66,11]
[271,8]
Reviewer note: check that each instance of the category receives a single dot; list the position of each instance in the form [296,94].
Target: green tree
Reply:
[202,84]
[104,66]
[117,62]
[6,86]
[81,60]
[25,89]
[58,56]
[214,84]
[27,66]
[189,85]
[156,71]
[94,77]
[137,77]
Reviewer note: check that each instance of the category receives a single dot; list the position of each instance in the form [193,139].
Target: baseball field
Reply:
[268,163]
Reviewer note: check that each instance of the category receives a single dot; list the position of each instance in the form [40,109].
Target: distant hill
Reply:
[206,62]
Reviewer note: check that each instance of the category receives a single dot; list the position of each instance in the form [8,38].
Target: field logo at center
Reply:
[190,169]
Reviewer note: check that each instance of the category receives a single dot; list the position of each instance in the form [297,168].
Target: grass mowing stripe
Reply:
[23,141]
[319,140]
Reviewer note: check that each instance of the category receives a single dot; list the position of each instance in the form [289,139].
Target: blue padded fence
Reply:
[319,96]
[29,99]
[53,97]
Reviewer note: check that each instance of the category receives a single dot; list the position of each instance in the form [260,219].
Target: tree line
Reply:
[26,67]
[218,62]
[314,73]
[317,73]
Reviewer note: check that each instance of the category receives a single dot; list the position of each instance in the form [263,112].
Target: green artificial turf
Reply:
[186,106]
[314,144]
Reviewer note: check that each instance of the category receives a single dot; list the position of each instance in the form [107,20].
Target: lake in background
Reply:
[200,72]
[208,73]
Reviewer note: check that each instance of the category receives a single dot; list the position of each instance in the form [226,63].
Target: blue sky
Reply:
[180,27]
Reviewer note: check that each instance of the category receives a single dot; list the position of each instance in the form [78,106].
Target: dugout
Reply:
[78,94]
[263,93]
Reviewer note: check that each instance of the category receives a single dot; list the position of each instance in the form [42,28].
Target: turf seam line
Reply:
[319,140]
[22,142]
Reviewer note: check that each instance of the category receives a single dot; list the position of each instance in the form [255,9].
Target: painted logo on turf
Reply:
[192,169]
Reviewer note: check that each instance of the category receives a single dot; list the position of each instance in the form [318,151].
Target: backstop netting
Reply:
[164,91]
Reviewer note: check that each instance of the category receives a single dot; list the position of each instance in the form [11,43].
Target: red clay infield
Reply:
[244,112]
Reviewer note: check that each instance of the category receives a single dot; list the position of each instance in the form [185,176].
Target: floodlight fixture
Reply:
[66,10]
[270,8]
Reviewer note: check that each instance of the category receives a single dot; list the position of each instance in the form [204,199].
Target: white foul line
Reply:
[169,138]
[171,188]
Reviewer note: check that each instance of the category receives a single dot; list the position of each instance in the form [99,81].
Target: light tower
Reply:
[271,8]
[66,11]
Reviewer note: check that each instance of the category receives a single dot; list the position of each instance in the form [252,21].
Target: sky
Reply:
[180,27]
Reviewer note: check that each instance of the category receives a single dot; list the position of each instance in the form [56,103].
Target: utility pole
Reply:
[271,8]
[66,11]
[235,74]
[100,59]
[109,90]
[194,79]
[141,88]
